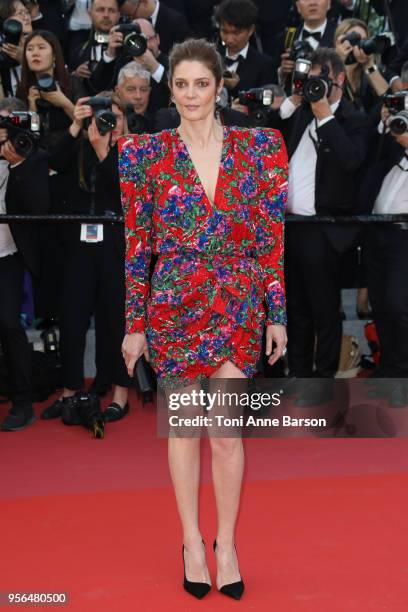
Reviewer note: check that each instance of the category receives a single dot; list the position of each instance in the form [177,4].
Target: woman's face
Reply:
[343,47]
[40,56]
[194,90]
[120,124]
[22,14]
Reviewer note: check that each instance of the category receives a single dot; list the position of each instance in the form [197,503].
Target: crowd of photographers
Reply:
[77,75]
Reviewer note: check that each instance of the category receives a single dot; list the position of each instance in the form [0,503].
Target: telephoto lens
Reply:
[134,41]
[315,88]
[105,118]
[399,123]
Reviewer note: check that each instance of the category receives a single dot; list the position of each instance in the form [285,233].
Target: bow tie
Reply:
[229,61]
[316,35]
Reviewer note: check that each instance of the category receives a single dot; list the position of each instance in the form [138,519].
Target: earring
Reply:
[218,99]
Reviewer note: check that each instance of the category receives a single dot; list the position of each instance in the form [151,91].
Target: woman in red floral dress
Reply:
[209,200]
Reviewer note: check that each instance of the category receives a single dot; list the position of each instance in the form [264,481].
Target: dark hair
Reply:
[328,57]
[28,77]
[7,9]
[242,14]
[199,50]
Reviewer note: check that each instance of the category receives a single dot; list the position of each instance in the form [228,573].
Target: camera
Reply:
[300,49]
[397,104]
[105,118]
[312,88]
[23,130]
[258,100]
[46,82]
[134,41]
[11,32]
[376,45]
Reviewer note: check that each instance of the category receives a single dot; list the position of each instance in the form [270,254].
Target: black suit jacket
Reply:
[255,70]
[342,149]
[172,27]
[52,18]
[28,193]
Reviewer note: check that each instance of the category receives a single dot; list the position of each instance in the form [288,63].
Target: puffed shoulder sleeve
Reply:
[137,203]
[272,165]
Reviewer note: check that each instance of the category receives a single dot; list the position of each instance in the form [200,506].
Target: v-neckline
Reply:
[197,178]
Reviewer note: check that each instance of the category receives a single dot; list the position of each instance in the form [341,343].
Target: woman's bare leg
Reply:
[227,470]
[184,464]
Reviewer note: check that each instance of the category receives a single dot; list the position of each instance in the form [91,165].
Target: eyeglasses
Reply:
[22,13]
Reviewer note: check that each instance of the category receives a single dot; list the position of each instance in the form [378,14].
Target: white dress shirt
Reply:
[7,244]
[312,41]
[393,196]
[243,53]
[302,166]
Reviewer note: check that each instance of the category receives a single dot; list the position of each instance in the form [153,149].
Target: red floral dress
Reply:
[217,263]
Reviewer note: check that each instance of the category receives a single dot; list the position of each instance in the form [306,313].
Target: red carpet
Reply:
[322,527]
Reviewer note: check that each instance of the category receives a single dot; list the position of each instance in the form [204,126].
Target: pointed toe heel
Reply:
[233,589]
[197,589]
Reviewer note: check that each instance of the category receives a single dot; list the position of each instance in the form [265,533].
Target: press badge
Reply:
[91,233]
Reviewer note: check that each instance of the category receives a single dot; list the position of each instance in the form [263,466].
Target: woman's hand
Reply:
[57,98]
[277,334]
[81,111]
[33,96]
[133,347]
[13,51]
[343,47]
[100,143]
[364,60]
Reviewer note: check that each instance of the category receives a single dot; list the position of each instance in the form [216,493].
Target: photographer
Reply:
[327,144]
[23,190]
[14,33]
[316,31]
[385,191]
[104,15]
[364,84]
[142,45]
[93,273]
[245,67]
[134,89]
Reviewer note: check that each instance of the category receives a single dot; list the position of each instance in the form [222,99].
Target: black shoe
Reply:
[115,412]
[198,589]
[20,416]
[315,394]
[53,411]
[233,589]
[70,411]
[398,396]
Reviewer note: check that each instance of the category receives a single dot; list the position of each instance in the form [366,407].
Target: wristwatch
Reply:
[371,69]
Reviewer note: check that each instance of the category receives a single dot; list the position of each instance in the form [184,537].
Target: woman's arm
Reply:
[272,194]
[137,204]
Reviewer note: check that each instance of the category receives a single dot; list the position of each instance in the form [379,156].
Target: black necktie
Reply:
[316,35]
[229,61]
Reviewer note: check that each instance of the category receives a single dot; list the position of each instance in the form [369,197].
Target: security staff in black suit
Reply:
[316,29]
[170,25]
[327,144]
[245,66]
[106,73]
[385,191]
[23,190]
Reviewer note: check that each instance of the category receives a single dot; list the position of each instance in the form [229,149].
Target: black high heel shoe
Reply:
[233,589]
[198,589]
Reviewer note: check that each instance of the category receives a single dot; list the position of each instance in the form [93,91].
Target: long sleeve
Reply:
[272,194]
[137,204]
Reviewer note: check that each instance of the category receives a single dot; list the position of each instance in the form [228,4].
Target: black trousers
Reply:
[387,275]
[94,281]
[13,338]
[313,302]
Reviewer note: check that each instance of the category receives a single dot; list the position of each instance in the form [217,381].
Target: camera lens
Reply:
[399,124]
[314,89]
[135,44]
[46,82]
[23,144]
[105,121]
[12,31]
